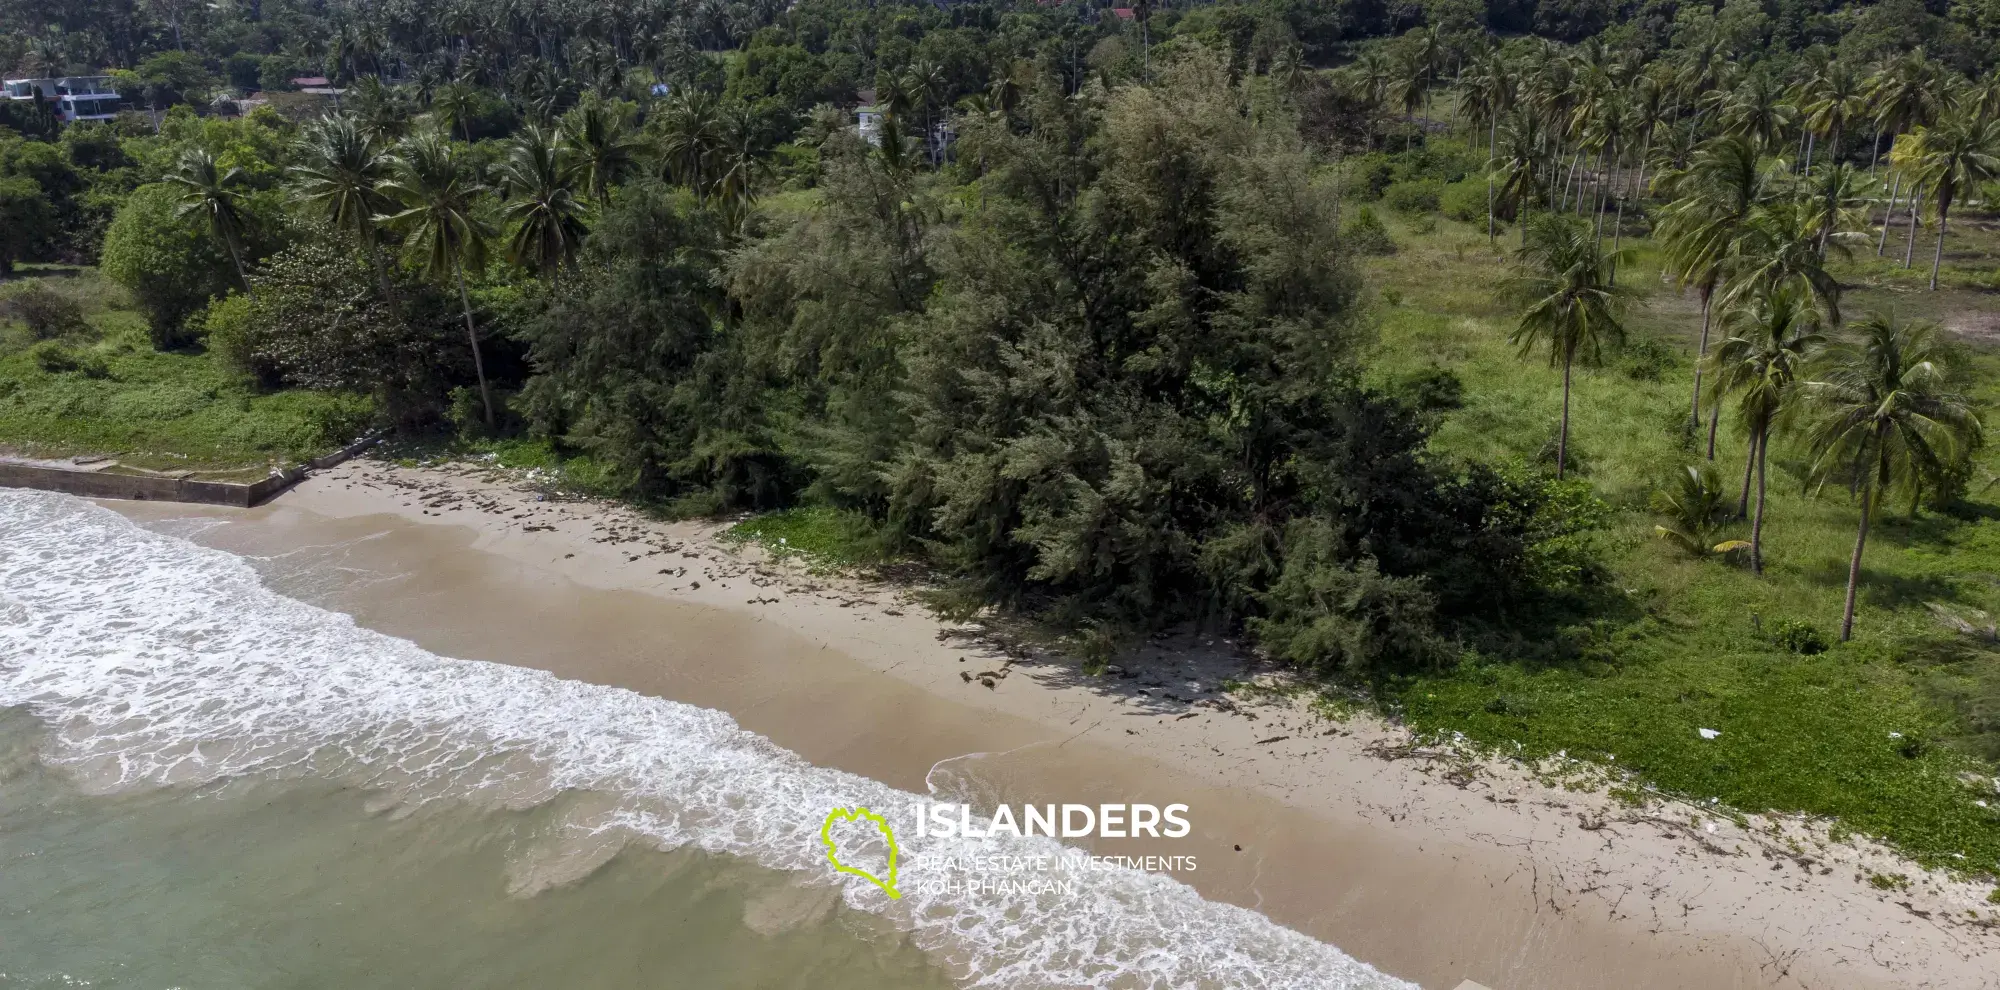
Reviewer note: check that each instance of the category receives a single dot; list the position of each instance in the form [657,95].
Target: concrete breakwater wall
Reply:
[99,482]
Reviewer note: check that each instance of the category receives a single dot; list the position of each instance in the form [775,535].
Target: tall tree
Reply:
[537,181]
[208,192]
[1961,152]
[339,173]
[1570,305]
[438,219]
[1774,333]
[1713,198]
[1884,413]
[600,146]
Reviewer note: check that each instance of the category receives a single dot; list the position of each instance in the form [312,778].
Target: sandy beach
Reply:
[1407,854]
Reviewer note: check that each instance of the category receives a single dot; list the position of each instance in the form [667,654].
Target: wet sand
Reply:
[1427,867]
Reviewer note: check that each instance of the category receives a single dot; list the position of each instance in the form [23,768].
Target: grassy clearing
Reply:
[107,391]
[1875,732]
[824,536]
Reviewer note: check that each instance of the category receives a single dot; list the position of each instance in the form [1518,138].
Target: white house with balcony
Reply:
[76,97]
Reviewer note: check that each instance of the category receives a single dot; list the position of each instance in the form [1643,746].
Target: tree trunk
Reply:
[236,257]
[1810,138]
[1617,238]
[1562,439]
[1889,214]
[1854,564]
[1937,256]
[1749,466]
[472,336]
[1757,526]
[1714,420]
[1694,405]
[1492,132]
[1910,245]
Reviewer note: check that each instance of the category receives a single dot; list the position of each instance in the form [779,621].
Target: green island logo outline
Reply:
[855,814]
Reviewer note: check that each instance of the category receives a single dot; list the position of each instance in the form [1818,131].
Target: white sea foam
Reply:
[158,661]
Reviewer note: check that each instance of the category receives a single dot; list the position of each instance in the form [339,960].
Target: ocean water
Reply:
[204,783]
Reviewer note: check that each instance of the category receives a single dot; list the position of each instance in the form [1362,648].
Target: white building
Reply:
[76,97]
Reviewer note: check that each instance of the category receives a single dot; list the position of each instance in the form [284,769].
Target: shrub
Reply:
[57,358]
[29,220]
[171,266]
[1369,174]
[1412,197]
[1465,200]
[46,313]
[1431,390]
[1365,234]
[1798,637]
[1333,614]
[1646,359]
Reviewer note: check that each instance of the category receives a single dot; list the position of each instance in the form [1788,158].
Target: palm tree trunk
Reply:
[1694,404]
[1714,420]
[1617,238]
[1810,138]
[1562,439]
[1749,466]
[1854,564]
[472,335]
[1910,244]
[1889,214]
[1492,132]
[236,256]
[1757,527]
[1937,256]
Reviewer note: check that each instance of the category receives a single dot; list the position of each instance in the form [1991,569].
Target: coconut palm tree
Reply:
[600,146]
[1759,110]
[207,191]
[1714,197]
[1773,334]
[454,105]
[1831,99]
[1570,305]
[538,182]
[439,196]
[1778,245]
[1961,152]
[1883,412]
[690,132]
[1835,196]
[339,172]
[1693,507]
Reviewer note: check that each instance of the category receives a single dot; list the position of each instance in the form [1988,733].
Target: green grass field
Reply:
[149,408]
[1874,732]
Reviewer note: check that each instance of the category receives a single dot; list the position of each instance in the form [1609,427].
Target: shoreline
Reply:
[1400,854]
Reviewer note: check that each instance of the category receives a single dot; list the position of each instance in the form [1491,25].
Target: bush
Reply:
[1431,390]
[57,358]
[1369,174]
[29,221]
[46,313]
[1646,359]
[1333,614]
[319,321]
[171,266]
[1465,200]
[1365,234]
[1412,197]
[1798,637]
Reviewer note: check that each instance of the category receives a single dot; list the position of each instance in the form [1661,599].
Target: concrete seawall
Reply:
[100,483]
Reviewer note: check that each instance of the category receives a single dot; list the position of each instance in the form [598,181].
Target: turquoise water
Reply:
[299,883]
